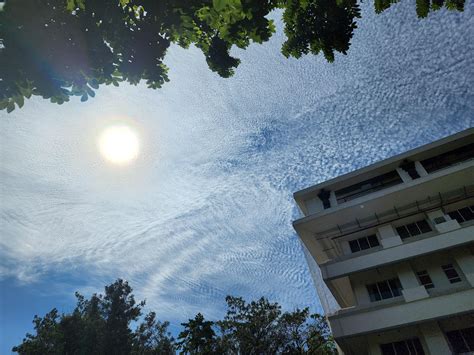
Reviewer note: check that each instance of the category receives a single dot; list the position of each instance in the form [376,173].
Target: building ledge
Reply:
[385,193]
[396,312]
[409,249]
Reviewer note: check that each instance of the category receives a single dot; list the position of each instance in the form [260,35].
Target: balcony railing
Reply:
[431,202]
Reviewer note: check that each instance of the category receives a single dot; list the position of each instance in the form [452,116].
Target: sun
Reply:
[119,144]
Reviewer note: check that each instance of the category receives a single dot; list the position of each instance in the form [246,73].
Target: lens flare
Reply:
[119,144]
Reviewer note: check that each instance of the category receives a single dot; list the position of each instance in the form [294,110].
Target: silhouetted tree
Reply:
[260,327]
[198,337]
[102,325]
[61,48]
[99,325]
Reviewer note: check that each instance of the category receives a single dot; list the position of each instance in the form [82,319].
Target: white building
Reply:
[394,244]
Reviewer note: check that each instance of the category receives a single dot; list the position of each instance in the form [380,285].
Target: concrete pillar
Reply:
[412,290]
[388,236]
[404,175]
[360,293]
[333,199]
[420,169]
[465,261]
[346,249]
[434,339]
[314,205]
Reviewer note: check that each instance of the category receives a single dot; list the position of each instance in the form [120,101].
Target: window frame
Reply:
[357,242]
[459,216]
[392,287]
[451,268]
[466,339]
[425,275]
[413,345]
[413,229]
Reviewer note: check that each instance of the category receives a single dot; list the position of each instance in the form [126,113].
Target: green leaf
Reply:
[10,106]
[84,98]
[19,100]
[94,84]
[90,91]
[219,4]
[70,5]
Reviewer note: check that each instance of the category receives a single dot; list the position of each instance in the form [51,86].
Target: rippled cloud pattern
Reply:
[206,210]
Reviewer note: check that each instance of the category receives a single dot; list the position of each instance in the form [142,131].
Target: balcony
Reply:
[361,320]
[426,245]
[365,211]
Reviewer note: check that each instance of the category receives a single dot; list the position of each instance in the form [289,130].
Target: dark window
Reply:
[462,340]
[404,347]
[384,290]
[425,279]
[363,243]
[424,226]
[403,232]
[324,197]
[451,273]
[387,349]
[413,229]
[401,347]
[354,244]
[396,287]
[439,220]
[449,158]
[373,241]
[463,215]
[368,186]
[374,293]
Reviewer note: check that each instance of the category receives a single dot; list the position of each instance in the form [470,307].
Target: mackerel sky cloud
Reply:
[206,208]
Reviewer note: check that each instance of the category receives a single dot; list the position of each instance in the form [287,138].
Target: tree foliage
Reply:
[102,324]
[62,48]
[99,325]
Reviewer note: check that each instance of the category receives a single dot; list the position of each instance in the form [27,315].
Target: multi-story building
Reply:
[393,247]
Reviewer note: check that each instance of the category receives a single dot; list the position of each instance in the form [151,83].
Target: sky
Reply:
[206,208]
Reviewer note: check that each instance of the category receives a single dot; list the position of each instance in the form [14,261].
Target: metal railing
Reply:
[431,202]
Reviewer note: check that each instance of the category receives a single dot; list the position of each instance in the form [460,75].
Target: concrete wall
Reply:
[406,272]
[401,314]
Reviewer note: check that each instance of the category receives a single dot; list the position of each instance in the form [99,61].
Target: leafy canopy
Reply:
[102,324]
[62,48]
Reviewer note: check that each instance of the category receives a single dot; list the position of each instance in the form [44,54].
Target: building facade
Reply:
[393,246]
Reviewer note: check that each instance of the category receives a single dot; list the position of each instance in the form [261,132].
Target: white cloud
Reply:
[207,209]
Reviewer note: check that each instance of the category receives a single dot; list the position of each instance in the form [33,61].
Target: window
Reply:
[364,243]
[384,289]
[463,215]
[462,340]
[404,347]
[439,220]
[447,159]
[368,186]
[413,229]
[451,273]
[324,196]
[425,279]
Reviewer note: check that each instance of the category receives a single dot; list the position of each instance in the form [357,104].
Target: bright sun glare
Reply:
[119,144]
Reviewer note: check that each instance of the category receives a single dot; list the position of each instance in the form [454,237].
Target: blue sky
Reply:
[206,209]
